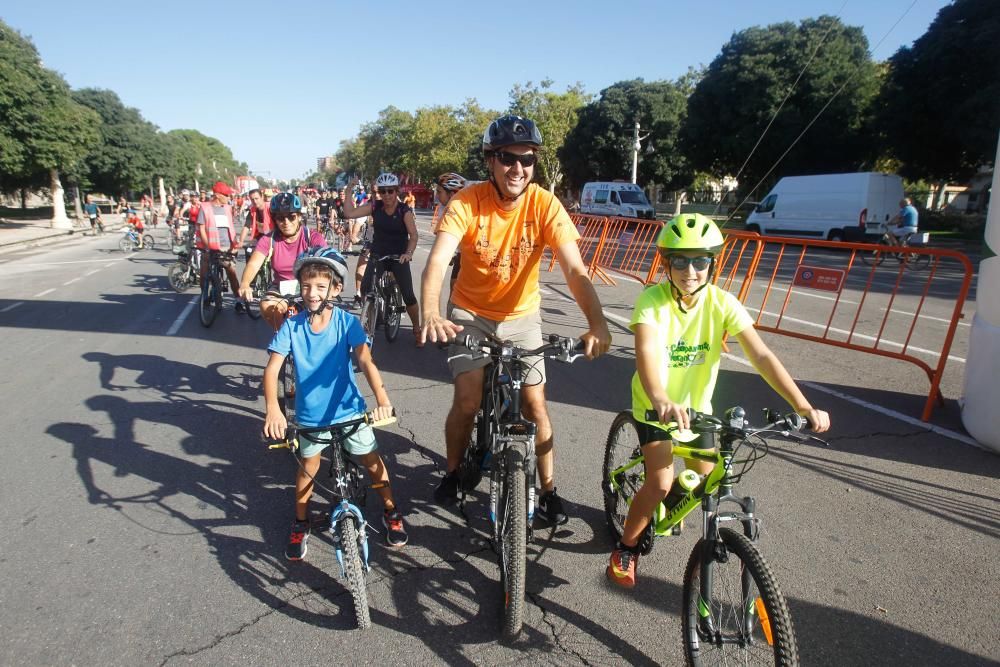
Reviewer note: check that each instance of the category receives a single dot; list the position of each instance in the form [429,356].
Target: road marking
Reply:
[12,306]
[110,263]
[90,273]
[48,291]
[75,261]
[176,326]
[884,341]
[70,282]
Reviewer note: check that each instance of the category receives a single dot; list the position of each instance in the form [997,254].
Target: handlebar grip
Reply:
[653,415]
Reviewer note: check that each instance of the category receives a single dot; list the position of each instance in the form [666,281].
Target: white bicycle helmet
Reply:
[451,181]
[328,257]
[387,180]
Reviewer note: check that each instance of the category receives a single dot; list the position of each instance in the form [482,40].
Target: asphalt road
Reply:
[146,524]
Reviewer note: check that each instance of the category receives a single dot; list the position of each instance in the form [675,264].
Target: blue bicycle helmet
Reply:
[324,255]
[285,203]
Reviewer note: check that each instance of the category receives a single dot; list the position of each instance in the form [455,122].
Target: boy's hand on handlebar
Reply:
[673,412]
[437,329]
[596,341]
[275,425]
[819,420]
[381,413]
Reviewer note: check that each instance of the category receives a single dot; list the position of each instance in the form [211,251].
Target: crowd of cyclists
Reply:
[492,234]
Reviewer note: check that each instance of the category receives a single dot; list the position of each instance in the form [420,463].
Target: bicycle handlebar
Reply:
[293,430]
[564,349]
[735,423]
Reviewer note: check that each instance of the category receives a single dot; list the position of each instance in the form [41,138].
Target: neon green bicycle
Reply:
[733,610]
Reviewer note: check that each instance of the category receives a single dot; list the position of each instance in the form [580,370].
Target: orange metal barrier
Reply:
[590,228]
[823,292]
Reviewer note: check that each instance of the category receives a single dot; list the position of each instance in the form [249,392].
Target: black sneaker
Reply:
[395,533]
[357,300]
[241,307]
[550,508]
[447,491]
[296,549]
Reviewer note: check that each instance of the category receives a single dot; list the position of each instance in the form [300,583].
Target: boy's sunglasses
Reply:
[387,191]
[681,262]
[508,159]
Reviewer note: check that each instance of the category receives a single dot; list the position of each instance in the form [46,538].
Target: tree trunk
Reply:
[939,195]
[24,198]
[77,206]
[679,197]
[59,218]
[163,197]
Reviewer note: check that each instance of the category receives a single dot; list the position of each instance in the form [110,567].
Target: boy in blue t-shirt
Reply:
[322,340]
[679,327]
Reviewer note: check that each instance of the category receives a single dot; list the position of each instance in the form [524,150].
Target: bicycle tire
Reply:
[148,243]
[354,571]
[126,244]
[330,236]
[286,401]
[393,311]
[744,575]
[917,261]
[470,470]
[871,257]
[206,302]
[512,520]
[177,276]
[622,446]
[253,305]
[369,319]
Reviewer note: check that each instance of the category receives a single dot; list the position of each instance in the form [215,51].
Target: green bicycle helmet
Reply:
[690,231]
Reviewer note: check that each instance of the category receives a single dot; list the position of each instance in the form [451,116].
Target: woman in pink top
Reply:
[289,240]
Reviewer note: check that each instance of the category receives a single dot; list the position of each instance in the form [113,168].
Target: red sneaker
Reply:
[621,570]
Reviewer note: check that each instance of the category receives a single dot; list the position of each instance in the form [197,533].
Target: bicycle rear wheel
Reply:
[871,257]
[512,534]
[746,619]
[346,535]
[211,292]
[618,489]
[916,261]
[393,304]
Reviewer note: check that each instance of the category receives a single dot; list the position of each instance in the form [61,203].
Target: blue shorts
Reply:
[359,443]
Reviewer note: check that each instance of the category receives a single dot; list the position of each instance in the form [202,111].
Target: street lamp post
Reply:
[636,147]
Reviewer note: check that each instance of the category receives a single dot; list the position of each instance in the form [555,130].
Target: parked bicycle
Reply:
[733,610]
[900,250]
[503,444]
[347,524]
[130,241]
[215,286]
[383,304]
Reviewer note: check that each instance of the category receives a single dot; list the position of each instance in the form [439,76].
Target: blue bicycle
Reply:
[130,241]
[347,521]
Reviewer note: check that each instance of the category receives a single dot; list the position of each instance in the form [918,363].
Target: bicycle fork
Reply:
[345,511]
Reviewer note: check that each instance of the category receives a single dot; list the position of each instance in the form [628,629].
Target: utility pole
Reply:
[636,146]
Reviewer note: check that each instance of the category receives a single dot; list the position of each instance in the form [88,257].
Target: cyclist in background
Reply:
[258,220]
[394,232]
[324,208]
[679,327]
[447,185]
[283,245]
[501,227]
[359,198]
[904,224]
[320,341]
[216,230]
[93,213]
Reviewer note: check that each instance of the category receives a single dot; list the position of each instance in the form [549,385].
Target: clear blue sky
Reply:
[294,79]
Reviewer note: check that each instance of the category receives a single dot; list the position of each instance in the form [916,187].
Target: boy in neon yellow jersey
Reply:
[679,326]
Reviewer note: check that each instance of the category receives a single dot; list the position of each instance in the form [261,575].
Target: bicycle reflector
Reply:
[765,622]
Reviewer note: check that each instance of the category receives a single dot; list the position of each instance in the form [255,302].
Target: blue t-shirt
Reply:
[325,390]
[908,217]
[91,210]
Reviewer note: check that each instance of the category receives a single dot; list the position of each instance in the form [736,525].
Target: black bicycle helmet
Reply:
[285,203]
[509,130]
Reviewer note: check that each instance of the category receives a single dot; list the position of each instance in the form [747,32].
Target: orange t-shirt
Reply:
[502,250]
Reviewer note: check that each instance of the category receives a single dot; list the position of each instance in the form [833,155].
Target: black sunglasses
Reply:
[387,191]
[282,217]
[680,262]
[508,159]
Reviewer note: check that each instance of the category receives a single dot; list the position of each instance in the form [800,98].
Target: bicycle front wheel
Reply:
[330,236]
[745,621]
[917,261]
[126,244]
[619,487]
[871,257]
[177,276]
[369,318]
[512,533]
[147,242]
[210,293]
[354,573]
[393,304]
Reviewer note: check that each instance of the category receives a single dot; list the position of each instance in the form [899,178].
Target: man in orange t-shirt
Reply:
[501,227]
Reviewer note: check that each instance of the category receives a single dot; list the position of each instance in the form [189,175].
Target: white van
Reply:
[616,198]
[836,207]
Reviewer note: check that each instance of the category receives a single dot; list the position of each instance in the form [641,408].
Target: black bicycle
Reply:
[347,524]
[215,285]
[503,444]
[733,610]
[383,304]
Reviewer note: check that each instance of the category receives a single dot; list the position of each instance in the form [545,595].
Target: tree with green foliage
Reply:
[555,114]
[42,130]
[940,107]
[823,68]
[599,147]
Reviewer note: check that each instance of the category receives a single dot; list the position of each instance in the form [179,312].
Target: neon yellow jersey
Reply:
[691,344]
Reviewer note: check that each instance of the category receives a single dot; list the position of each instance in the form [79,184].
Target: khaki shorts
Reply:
[524,332]
[359,443]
